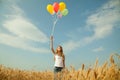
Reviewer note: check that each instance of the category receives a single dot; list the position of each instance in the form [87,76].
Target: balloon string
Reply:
[53,28]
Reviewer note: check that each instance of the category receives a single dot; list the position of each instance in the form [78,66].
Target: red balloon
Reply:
[56,6]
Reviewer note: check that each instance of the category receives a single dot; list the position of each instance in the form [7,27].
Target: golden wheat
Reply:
[108,71]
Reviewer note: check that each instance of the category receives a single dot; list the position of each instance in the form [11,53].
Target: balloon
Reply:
[64,12]
[50,9]
[62,6]
[60,16]
[56,6]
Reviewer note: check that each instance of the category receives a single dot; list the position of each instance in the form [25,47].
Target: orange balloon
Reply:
[62,6]
[50,9]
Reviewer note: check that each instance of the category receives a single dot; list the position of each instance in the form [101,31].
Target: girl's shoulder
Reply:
[55,53]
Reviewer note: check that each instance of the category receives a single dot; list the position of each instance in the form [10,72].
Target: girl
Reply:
[59,57]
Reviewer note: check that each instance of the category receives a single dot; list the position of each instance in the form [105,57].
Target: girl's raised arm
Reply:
[51,44]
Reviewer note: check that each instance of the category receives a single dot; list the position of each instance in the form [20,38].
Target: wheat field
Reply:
[110,70]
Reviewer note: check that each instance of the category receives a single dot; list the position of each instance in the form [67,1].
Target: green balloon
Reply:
[64,12]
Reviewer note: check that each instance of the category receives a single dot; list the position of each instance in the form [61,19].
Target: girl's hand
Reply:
[51,37]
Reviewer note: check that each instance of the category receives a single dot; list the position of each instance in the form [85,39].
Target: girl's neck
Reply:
[59,53]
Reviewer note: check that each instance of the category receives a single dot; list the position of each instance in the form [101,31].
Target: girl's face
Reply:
[59,48]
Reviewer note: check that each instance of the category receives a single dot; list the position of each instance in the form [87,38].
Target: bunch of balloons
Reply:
[57,8]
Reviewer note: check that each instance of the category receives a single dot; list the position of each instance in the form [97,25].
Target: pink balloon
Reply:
[56,6]
[60,16]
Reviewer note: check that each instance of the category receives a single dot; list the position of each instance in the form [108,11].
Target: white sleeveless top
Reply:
[58,61]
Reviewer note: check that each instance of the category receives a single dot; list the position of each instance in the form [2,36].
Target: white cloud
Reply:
[25,29]
[104,19]
[21,29]
[101,23]
[70,46]
[99,49]
[21,43]
[18,24]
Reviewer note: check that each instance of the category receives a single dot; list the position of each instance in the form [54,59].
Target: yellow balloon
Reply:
[62,6]
[50,9]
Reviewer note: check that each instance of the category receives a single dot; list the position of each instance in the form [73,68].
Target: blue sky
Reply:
[90,31]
